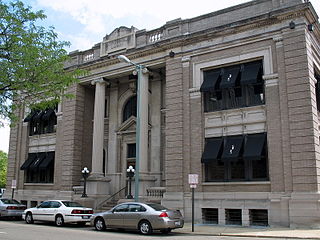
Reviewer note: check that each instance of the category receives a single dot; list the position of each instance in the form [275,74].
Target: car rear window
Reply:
[156,206]
[71,204]
[9,201]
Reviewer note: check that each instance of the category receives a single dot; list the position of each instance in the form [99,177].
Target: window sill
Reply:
[242,109]
[236,183]
[38,184]
[43,135]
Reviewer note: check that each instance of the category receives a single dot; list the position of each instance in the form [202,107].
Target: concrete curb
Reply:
[245,235]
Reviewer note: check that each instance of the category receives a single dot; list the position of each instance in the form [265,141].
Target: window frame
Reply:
[239,96]
[228,166]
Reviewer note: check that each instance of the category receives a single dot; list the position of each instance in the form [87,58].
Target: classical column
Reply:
[98,127]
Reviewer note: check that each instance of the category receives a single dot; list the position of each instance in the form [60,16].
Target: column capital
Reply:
[100,80]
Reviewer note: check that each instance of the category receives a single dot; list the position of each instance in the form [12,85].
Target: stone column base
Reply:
[145,182]
[98,186]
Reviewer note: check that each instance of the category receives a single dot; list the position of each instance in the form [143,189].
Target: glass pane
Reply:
[156,206]
[238,170]
[259,169]
[215,171]
[71,204]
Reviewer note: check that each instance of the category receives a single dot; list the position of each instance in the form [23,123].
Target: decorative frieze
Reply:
[235,122]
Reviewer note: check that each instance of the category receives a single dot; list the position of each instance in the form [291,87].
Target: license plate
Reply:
[85,217]
[177,223]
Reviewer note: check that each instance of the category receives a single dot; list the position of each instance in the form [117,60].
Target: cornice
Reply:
[184,40]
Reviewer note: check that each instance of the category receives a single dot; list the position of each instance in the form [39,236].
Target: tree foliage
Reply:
[31,60]
[3,168]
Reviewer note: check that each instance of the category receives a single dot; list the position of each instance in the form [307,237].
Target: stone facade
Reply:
[176,55]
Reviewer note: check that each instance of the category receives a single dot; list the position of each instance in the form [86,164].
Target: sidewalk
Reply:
[256,232]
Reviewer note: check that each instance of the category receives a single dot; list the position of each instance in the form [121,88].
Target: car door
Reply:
[115,219]
[53,210]
[132,217]
[39,213]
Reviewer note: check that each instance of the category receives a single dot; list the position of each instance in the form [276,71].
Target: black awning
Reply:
[229,77]
[212,150]
[30,116]
[29,161]
[254,146]
[40,157]
[251,73]
[232,148]
[46,162]
[210,79]
[47,114]
[37,117]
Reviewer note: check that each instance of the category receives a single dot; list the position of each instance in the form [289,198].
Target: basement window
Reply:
[258,217]
[210,215]
[233,217]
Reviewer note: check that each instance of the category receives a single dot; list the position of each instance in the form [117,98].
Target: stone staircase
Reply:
[108,205]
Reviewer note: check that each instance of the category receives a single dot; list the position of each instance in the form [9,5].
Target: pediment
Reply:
[120,39]
[120,32]
[128,125]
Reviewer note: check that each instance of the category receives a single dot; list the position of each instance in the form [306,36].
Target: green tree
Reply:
[31,60]
[3,168]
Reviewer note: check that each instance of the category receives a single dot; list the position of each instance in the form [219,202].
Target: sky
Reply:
[85,22]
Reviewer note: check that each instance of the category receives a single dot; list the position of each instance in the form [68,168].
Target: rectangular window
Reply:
[39,169]
[233,216]
[42,121]
[131,155]
[235,86]
[317,85]
[258,217]
[237,158]
[210,215]
[106,108]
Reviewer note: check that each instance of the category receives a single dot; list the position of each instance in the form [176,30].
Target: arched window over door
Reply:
[130,109]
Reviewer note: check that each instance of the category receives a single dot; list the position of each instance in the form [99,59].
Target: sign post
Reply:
[193,181]
[13,187]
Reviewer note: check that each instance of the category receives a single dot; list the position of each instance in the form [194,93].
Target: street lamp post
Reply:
[142,121]
[130,174]
[85,174]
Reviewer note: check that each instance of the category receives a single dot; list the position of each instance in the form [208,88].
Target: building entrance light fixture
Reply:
[130,175]
[142,119]
[85,175]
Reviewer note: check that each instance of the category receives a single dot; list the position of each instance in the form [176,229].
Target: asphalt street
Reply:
[19,230]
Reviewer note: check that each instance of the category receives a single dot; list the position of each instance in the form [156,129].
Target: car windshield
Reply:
[156,206]
[71,204]
[9,201]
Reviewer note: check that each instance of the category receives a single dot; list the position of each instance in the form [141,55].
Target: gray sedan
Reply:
[11,208]
[144,217]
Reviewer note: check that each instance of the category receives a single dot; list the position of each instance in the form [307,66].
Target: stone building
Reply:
[232,96]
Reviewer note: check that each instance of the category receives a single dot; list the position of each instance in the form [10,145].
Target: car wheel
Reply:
[99,224]
[166,231]
[145,228]
[29,218]
[59,221]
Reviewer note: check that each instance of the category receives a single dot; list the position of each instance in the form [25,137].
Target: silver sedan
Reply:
[144,217]
[11,208]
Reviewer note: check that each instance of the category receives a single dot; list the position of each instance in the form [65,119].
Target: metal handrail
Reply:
[112,196]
